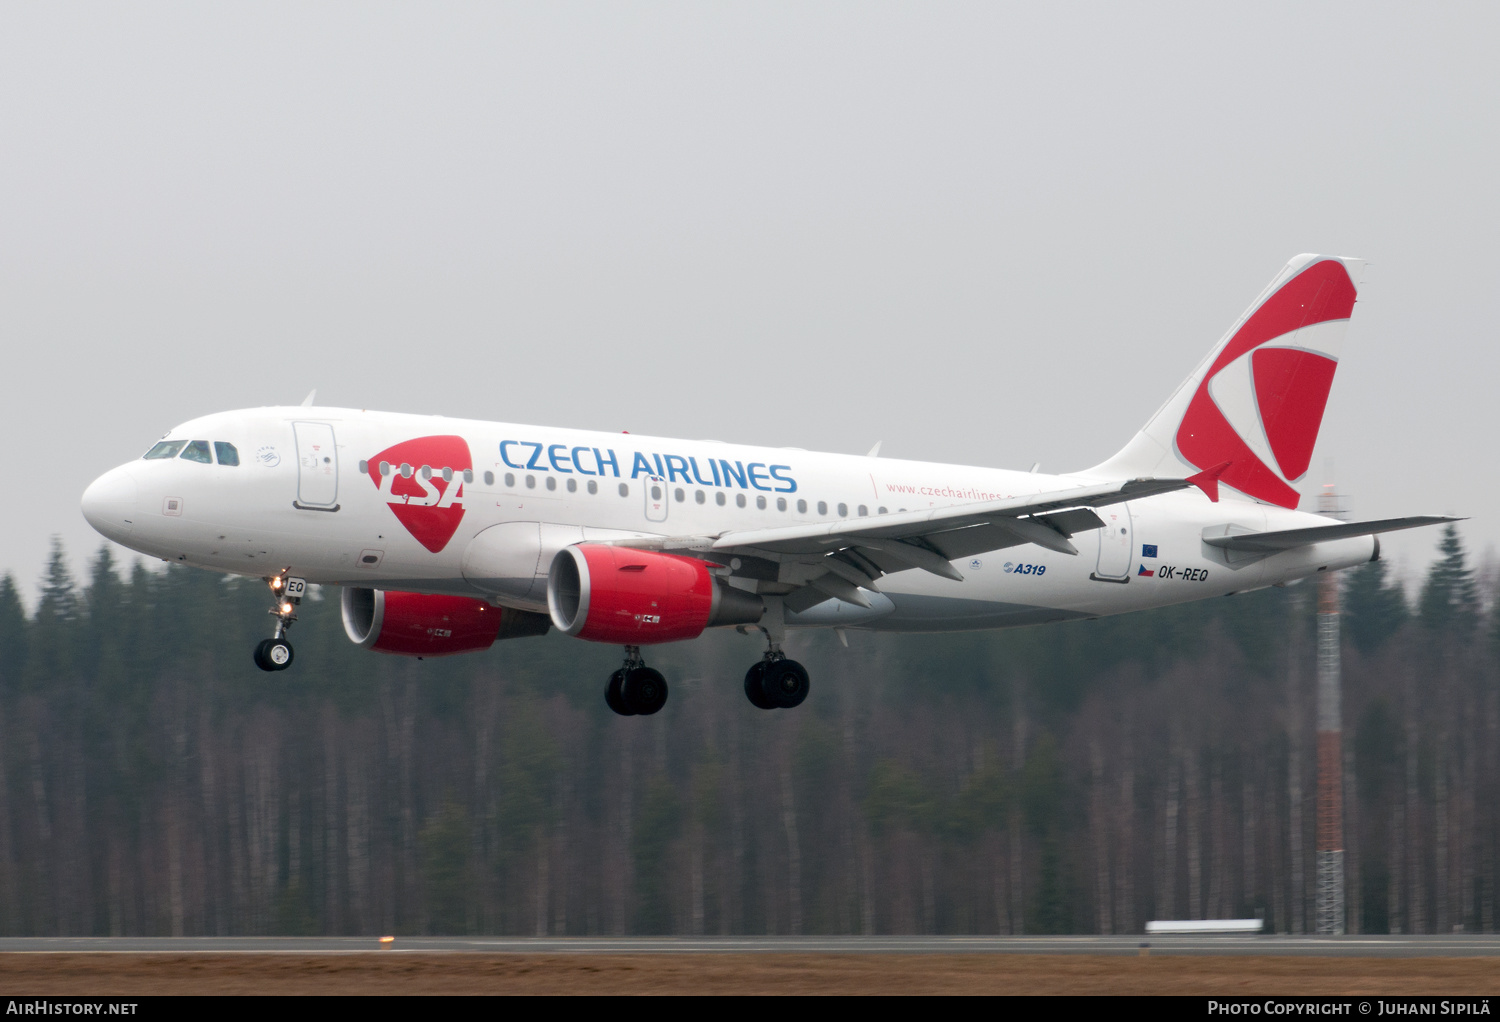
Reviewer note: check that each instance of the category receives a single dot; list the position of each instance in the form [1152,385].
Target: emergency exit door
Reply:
[656,498]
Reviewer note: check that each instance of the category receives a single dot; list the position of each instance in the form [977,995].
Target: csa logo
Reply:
[423,482]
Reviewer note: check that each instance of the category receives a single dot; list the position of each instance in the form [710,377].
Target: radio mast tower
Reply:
[1330,843]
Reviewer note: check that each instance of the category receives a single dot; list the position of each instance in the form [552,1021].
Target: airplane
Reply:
[446,535]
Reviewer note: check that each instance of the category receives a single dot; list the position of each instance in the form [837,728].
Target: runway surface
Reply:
[1421,946]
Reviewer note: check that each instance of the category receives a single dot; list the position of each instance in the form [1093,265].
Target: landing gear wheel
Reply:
[614,698]
[785,683]
[273,655]
[644,690]
[754,690]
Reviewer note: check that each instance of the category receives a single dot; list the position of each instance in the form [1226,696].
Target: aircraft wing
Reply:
[1288,539]
[1045,518]
[810,563]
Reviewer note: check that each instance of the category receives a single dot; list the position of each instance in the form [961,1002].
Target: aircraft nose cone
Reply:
[109,503]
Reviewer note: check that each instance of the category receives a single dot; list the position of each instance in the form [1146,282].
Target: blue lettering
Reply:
[659,470]
[531,463]
[698,476]
[791,484]
[552,457]
[579,468]
[610,461]
[757,472]
[730,473]
[715,466]
[677,463]
[639,465]
[506,457]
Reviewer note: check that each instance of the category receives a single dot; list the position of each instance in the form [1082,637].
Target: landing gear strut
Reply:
[636,689]
[775,683]
[275,653]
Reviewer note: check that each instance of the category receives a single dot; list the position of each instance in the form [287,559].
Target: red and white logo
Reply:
[423,482]
[1261,403]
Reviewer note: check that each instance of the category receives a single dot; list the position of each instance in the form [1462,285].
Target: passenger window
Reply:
[679,495]
[822,507]
[699,496]
[882,510]
[655,492]
[447,475]
[531,482]
[551,482]
[719,498]
[226,452]
[739,500]
[843,510]
[165,449]
[624,489]
[593,486]
[572,485]
[469,475]
[760,502]
[197,451]
[781,503]
[385,468]
[510,479]
[489,478]
[863,511]
[802,507]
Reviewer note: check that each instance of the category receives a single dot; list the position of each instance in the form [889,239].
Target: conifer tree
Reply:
[1374,606]
[1450,596]
[52,624]
[12,634]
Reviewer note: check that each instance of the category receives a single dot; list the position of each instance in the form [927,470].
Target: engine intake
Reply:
[423,624]
[636,597]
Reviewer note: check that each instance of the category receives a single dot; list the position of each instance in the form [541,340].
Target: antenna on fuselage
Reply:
[308,400]
[875,451]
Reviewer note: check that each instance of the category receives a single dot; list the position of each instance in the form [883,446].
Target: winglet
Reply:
[1208,480]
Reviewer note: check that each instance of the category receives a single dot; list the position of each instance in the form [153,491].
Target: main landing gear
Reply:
[775,683]
[275,653]
[636,689]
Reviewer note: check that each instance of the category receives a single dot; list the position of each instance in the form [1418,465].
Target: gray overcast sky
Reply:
[983,233]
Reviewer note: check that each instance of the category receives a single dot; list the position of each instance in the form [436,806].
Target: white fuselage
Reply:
[309,494]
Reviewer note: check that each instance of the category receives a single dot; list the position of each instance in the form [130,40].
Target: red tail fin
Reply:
[1249,416]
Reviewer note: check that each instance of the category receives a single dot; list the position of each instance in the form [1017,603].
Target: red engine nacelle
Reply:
[421,624]
[636,597]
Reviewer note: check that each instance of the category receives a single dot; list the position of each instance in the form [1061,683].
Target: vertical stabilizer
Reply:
[1256,402]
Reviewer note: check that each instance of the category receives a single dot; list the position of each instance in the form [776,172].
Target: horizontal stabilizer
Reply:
[1287,539]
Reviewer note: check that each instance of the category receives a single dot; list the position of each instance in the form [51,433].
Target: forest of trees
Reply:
[1083,777]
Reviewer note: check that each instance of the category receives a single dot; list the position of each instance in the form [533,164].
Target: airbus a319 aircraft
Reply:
[446,534]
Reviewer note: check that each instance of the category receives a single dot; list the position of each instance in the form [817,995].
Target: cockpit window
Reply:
[226,452]
[165,449]
[198,451]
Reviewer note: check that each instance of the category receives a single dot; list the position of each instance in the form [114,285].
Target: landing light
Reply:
[286,608]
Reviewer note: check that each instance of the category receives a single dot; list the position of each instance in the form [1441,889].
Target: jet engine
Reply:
[635,597]
[422,624]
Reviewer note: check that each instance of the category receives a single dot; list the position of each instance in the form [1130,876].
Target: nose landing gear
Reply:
[635,689]
[275,653]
